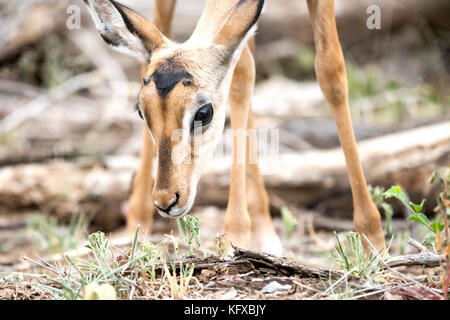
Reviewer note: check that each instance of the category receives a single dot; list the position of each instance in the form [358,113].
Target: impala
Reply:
[186,88]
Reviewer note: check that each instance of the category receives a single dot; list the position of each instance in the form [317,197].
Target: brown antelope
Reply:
[194,81]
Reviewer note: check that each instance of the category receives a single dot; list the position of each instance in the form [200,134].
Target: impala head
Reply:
[184,89]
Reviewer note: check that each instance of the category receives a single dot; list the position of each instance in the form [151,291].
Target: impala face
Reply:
[184,88]
[183,105]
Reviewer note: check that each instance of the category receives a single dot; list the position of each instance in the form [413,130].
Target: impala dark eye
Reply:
[203,116]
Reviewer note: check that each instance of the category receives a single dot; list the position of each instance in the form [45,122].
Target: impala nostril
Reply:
[170,206]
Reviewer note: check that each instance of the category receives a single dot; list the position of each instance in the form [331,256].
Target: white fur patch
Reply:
[109,23]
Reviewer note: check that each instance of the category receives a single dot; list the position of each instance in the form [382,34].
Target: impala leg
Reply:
[332,78]
[263,235]
[237,218]
[164,10]
[141,209]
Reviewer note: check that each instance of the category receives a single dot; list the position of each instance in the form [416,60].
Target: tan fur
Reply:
[237,218]
[140,207]
[164,10]
[247,221]
[331,75]
[222,68]
[211,72]
[148,31]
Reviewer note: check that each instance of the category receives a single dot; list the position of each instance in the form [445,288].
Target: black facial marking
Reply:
[168,74]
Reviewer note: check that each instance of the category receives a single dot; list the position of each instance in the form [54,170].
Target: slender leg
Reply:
[263,235]
[237,218]
[332,78]
[164,10]
[141,207]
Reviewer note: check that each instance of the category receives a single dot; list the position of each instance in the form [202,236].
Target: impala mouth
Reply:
[175,212]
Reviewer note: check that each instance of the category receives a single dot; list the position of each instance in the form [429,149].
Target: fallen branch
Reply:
[318,174]
[39,158]
[416,244]
[382,156]
[390,268]
[245,261]
[38,105]
[306,178]
[425,259]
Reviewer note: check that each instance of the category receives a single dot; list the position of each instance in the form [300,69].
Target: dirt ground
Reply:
[307,270]
[78,154]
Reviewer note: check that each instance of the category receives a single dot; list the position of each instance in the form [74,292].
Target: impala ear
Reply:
[238,23]
[125,30]
[227,25]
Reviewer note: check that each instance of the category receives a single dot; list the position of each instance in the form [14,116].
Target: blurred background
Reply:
[70,136]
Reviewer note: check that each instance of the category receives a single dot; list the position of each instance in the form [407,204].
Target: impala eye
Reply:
[204,115]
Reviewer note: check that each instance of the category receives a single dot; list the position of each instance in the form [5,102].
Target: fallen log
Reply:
[286,18]
[58,188]
[311,176]
[381,157]
[425,259]
[303,179]
[281,265]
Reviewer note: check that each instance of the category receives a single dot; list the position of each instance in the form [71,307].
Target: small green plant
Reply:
[148,263]
[109,272]
[55,238]
[377,197]
[289,222]
[435,228]
[189,228]
[92,276]
[416,211]
[352,258]
[443,210]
